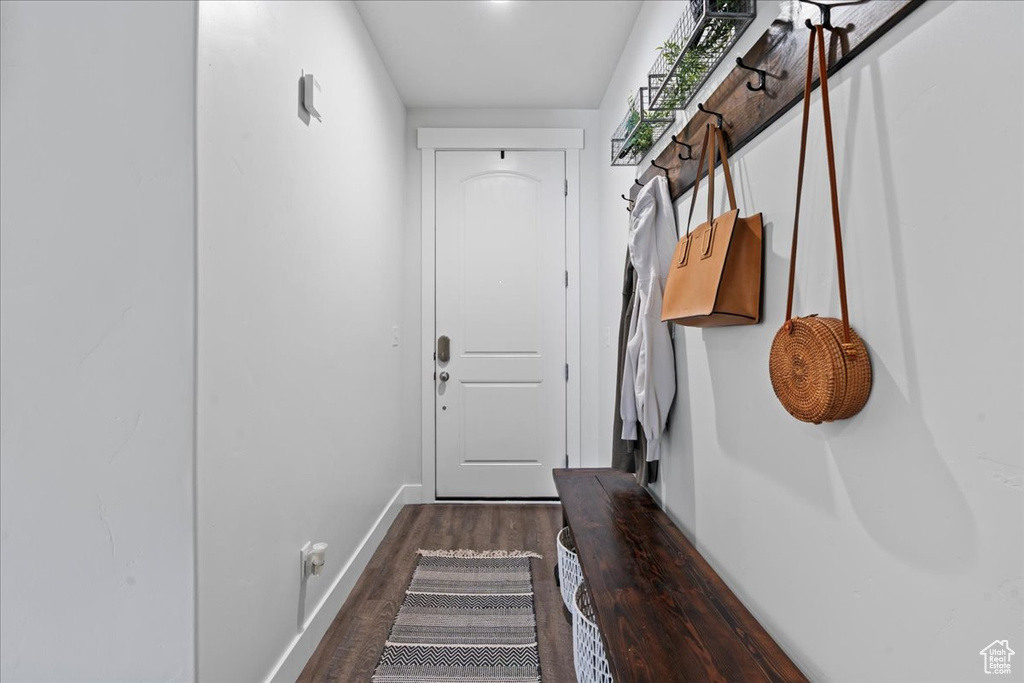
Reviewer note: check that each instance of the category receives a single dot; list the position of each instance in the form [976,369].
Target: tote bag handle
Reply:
[712,135]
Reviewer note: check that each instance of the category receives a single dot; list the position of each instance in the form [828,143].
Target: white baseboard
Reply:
[304,644]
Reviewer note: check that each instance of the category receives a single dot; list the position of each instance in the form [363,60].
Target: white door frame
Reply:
[432,140]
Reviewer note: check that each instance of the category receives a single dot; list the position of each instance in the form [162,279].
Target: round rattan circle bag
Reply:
[819,367]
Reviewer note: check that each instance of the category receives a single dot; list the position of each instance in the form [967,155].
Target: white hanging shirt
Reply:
[649,373]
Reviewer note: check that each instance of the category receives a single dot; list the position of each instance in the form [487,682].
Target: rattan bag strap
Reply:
[818,36]
[712,134]
[800,174]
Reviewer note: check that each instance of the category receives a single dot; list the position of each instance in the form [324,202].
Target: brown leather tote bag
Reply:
[715,278]
[819,367]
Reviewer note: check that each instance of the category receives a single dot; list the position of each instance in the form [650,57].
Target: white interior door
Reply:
[500,299]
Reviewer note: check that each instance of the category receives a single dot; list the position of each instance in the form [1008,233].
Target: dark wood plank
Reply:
[673,552]
[782,52]
[664,613]
[352,645]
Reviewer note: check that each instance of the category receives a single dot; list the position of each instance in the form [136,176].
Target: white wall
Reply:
[300,252]
[887,547]
[592,158]
[96,389]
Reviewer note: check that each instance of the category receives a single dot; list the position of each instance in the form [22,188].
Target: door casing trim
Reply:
[432,140]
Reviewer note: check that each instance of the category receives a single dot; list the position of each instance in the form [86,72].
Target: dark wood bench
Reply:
[663,612]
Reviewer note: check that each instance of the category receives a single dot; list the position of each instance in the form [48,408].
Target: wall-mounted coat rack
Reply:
[743,108]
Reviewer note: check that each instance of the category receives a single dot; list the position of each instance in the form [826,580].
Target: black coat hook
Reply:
[761,75]
[637,183]
[826,12]
[660,168]
[700,106]
[689,149]
[625,197]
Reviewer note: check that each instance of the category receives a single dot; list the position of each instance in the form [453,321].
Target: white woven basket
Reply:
[587,648]
[570,575]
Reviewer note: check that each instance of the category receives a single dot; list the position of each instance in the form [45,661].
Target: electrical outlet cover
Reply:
[304,552]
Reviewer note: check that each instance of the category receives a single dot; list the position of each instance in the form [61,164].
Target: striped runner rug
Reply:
[467,615]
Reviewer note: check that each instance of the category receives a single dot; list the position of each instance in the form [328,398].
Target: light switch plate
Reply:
[311,95]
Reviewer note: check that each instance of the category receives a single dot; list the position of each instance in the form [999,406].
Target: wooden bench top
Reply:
[664,614]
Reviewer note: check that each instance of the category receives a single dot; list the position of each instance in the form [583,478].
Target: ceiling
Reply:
[543,54]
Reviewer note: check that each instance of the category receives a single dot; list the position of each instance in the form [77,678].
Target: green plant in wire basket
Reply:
[688,73]
[670,53]
[719,33]
[634,113]
[642,138]
[697,60]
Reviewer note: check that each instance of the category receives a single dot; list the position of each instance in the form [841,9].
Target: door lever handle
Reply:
[443,376]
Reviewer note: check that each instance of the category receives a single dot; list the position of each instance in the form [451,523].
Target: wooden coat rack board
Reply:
[782,53]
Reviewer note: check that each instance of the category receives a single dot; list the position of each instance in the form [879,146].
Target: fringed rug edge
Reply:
[479,554]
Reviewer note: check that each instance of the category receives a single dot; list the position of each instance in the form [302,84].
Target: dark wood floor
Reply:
[353,643]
